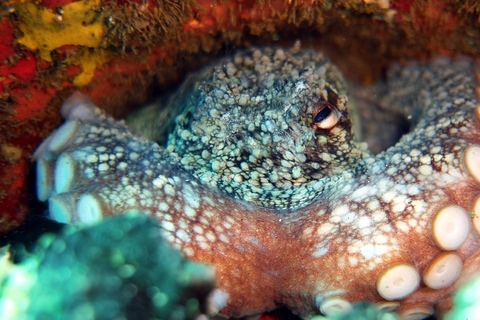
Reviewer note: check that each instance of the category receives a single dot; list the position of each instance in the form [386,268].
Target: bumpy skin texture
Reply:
[392,229]
[247,128]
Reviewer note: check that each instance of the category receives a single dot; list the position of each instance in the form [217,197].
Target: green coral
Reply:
[118,269]
[466,302]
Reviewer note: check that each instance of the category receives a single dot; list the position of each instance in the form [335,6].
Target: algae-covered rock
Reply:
[118,269]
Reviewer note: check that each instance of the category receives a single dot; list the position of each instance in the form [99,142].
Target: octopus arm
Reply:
[93,167]
[399,229]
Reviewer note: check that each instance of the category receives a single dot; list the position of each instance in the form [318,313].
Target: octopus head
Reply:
[270,127]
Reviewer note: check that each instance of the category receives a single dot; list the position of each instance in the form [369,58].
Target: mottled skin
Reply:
[247,127]
[332,246]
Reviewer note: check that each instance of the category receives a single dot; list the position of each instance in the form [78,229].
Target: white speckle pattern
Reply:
[248,184]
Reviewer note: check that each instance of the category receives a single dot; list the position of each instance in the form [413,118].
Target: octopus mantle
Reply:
[399,229]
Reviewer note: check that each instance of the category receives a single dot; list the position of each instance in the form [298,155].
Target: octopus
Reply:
[254,167]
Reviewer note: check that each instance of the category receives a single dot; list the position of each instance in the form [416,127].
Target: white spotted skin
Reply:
[247,127]
[374,216]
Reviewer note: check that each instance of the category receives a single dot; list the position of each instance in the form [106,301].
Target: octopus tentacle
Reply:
[104,169]
[396,229]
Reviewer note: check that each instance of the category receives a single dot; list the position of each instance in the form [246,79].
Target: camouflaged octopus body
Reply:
[397,229]
[247,128]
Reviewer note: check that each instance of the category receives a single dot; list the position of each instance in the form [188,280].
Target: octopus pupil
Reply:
[323,114]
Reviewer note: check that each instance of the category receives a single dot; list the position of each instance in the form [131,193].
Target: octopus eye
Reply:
[326,115]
